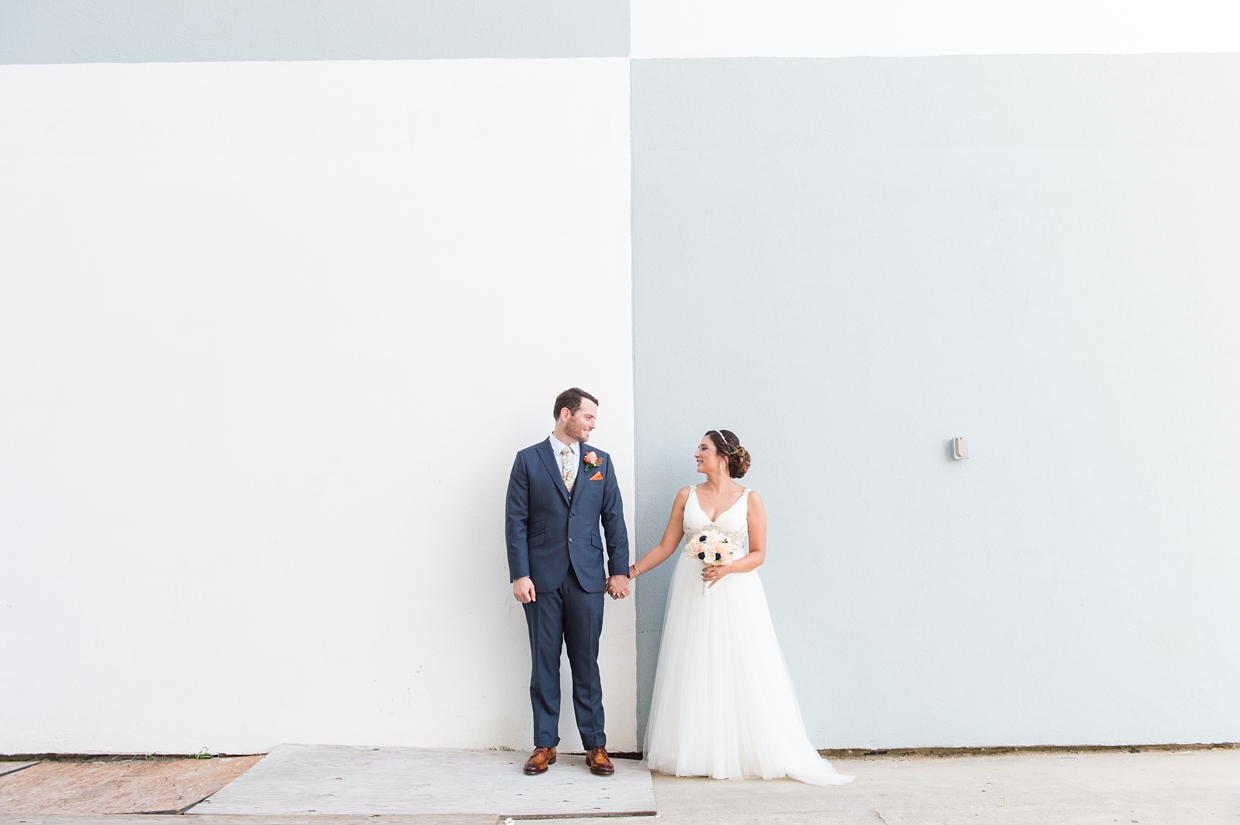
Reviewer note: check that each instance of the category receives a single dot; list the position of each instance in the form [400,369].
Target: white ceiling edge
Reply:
[900,28]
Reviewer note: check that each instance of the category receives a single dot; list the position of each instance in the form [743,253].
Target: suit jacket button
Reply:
[570,539]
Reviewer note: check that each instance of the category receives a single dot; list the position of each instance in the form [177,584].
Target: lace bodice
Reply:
[732,522]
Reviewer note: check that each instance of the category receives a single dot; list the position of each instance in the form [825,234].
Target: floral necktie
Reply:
[567,468]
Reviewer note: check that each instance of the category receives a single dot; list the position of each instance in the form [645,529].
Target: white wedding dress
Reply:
[724,705]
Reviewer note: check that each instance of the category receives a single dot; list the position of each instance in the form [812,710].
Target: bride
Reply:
[724,705]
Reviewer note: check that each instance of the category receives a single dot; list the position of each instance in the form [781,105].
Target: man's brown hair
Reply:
[571,398]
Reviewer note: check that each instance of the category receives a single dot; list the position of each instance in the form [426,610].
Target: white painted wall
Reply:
[270,334]
[898,28]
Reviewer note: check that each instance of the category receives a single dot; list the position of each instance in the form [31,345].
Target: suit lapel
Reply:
[549,462]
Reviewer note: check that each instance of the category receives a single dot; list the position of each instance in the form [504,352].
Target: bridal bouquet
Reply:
[713,550]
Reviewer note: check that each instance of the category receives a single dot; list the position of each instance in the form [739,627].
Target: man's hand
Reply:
[618,586]
[523,590]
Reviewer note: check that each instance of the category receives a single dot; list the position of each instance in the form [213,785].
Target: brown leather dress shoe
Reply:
[540,760]
[599,763]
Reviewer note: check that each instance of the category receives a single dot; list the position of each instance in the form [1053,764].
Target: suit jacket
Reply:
[547,529]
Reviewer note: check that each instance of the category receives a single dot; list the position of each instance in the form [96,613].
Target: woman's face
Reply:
[707,455]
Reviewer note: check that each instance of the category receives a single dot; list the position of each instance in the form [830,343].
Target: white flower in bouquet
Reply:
[712,549]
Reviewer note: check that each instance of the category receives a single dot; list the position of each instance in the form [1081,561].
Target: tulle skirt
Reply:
[724,705]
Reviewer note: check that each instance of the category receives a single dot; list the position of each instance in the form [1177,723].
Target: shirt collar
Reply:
[557,446]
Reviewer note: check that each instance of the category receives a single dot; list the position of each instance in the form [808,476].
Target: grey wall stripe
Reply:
[879,103]
[166,31]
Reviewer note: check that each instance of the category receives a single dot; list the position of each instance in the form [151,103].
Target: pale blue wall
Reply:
[849,262]
[169,31]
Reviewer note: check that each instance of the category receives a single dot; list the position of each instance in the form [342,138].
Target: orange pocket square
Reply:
[597,476]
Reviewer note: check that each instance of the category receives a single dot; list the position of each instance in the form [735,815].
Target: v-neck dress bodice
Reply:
[732,522]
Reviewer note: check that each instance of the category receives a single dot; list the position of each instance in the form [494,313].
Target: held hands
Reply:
[523,588]
[618,586]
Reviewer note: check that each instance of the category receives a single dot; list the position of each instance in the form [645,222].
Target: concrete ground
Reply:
[1168,788]
[296,780]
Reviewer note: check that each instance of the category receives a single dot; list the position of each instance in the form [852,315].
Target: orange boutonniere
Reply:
[592,459]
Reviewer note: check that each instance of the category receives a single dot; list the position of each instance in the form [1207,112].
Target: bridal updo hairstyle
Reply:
[729,446]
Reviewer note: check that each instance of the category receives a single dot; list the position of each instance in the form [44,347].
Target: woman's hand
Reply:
[618,586]
[715,573]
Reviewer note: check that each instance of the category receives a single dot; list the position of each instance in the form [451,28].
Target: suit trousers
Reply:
[566,617]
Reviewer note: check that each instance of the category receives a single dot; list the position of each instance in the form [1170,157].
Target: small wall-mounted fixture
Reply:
[960,447]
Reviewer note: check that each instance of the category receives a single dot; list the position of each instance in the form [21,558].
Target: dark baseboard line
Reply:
[829,753]
[896,753]
[112,757]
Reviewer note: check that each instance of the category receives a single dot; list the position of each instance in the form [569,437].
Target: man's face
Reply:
[580,423]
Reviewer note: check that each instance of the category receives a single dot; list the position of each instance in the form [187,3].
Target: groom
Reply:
[557,495]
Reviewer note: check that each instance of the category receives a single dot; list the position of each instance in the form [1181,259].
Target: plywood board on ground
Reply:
[160,786]
[311,819]
[13,767]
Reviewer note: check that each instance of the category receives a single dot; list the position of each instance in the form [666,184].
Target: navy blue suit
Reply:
[553,537]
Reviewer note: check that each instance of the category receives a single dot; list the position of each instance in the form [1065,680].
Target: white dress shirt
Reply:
[557,449]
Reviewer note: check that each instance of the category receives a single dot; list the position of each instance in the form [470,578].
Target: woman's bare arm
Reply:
[672,535]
